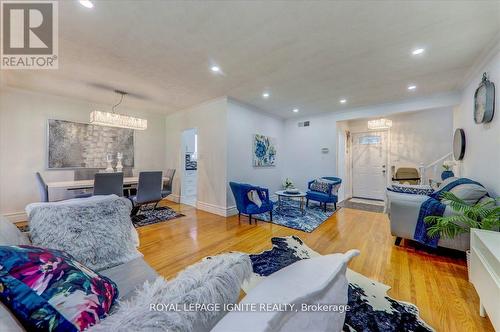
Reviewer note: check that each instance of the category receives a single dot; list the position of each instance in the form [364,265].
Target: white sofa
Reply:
[403,210]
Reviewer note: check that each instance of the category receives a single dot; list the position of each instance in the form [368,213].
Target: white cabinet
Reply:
[189,187]
[485,272]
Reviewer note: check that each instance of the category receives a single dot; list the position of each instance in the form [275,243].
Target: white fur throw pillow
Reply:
[96,231]
[253,196]
[166,305]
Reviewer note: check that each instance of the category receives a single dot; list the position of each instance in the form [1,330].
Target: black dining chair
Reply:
[43,189]
[167,185]
[108,184]
[148,190]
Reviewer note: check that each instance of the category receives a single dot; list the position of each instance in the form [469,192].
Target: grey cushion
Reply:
[10,235]
[471,193]
[130,275]
[446,182]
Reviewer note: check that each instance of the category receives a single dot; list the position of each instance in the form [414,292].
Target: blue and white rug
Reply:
[371,309]
[313,217]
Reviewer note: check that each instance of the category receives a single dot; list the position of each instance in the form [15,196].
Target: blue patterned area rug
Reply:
[291,218]
[371,309]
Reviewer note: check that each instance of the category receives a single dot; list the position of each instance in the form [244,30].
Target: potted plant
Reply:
[288,184]
[484,215]
[447,166]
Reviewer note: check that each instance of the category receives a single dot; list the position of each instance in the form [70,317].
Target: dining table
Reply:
[76,185]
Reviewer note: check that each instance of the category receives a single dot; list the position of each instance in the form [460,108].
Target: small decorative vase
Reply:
[446,174]
[119,166]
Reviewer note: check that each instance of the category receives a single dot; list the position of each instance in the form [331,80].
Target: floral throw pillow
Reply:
[321,185]
[48,290]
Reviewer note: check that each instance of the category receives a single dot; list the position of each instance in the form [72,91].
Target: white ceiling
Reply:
[306,54]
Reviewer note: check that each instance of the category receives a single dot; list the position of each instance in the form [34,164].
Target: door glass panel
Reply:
[369,140]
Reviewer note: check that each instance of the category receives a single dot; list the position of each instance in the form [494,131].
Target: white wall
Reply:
[416,137]
[304,159]
[243,121]
[482,153]
[23,121]
[209,119]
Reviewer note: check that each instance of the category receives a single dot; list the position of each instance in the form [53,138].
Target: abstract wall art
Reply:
[264,151]
[81,145]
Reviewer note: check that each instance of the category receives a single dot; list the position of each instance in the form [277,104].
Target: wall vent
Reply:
[304,124]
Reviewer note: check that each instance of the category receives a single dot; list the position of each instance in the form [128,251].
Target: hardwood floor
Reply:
[436,283]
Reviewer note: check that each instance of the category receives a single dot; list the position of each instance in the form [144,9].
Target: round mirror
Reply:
[459,144]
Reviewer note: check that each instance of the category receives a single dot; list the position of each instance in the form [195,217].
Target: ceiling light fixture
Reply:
[112,119]
[295,110]
[86,3]
[412,87]
[265,95]
[418,51]
[215,69]
[379,124]
[343,101]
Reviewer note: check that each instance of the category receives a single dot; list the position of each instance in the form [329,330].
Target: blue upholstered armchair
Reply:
[245,206]
[325,196]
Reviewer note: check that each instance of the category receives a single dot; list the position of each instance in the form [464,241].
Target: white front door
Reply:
[369,164]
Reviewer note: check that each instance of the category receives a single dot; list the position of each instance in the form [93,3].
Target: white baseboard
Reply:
[216,209]
[231,211]
[16,216]
[174,198]
[212,208]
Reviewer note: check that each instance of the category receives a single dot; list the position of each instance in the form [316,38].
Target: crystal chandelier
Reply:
[379,124]
[113,119]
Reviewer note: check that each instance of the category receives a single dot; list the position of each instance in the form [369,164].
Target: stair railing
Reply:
[433,167]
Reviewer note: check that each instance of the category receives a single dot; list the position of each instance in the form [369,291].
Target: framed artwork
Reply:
[264,151]
[82,145]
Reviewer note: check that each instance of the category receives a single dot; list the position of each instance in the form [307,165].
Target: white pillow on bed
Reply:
[319,280]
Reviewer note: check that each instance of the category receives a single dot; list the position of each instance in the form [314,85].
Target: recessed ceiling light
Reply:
[295,110]
[412,87]
[215,69]
[343,101]
[418,51]
[265,95]
[86,3]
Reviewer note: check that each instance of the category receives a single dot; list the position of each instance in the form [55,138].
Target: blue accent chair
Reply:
[322,197]
[243,204]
